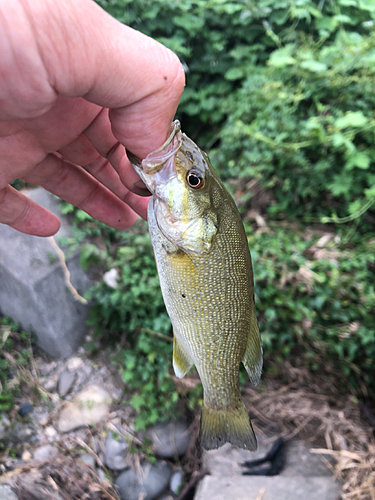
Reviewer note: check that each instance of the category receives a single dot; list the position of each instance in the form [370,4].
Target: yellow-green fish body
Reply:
[206,277]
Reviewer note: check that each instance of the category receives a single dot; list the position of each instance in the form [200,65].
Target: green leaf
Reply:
[234,74]
[359,159]
[282,57]
[351,119]
[314,66]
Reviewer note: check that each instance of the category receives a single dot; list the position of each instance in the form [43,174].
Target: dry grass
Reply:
[62,478]
[329,421]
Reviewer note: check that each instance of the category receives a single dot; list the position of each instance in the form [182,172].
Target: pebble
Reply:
[88,407]
[110,278]
[50,432]
[152,481]
[115,453]
[44,420]
[46,452]
[50,384]
[4,424]
[6,493]
[26,456]
[74,364]
[170,439]
[65,382]
[25,409]
[176,483]
[88,460]
[101,475]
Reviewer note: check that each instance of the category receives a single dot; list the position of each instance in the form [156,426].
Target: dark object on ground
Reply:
[275,457]
[25,409]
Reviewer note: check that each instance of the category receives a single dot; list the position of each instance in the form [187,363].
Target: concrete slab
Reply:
[299,461]
[267,488]
[32,286]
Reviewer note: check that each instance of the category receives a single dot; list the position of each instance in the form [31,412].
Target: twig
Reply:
[261,493]
[81,442]
[66,271]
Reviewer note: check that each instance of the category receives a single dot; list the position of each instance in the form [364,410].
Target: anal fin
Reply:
[181,359]
[253,358]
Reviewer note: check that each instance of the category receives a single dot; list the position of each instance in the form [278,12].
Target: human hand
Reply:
[76,86]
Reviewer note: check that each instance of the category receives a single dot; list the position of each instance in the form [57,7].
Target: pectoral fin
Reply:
[181,359]
[253,359]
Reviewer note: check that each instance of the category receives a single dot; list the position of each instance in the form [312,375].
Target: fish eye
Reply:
[195,179]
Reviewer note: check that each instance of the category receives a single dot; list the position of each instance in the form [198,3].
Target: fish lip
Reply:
[155,160]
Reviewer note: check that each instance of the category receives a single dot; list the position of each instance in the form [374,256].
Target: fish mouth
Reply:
[155,160]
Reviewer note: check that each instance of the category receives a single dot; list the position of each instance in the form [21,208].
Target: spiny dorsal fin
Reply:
[253,358]
[181,359]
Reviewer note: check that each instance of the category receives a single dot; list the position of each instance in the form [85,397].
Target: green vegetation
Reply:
[280,93]
[15,355]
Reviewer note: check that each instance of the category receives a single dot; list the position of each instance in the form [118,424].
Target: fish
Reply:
[206,277]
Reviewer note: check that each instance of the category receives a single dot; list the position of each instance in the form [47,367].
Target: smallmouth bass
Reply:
[206,278]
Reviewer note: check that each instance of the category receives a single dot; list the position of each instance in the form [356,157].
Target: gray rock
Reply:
[6,493]
[66,380]
[33,290]
[115,453]
[274,488]
[4,425]
[152,481]
[170,439]
[88,407]
[88,459]
[46,452]
[177,481]
[74,363]
[101,475]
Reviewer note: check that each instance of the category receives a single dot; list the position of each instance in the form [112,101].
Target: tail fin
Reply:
[230,425]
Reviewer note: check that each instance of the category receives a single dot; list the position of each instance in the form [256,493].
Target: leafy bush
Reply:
[281,91]
[15,352]
[315,301]
[308,129]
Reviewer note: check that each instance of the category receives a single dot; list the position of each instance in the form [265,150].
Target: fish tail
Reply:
[227,425]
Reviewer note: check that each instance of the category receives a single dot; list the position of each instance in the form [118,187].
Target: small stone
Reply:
[6,493]
[74,364]
[88,460]
[50,432]
[4,424]
[150,483]
[176,483]
[26,456]
[170,439]
[110,278]
[101,475]
[66,380]
[44,420]
[25,409]
[115,453]
[89,407]
[50,384]
[46,452]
